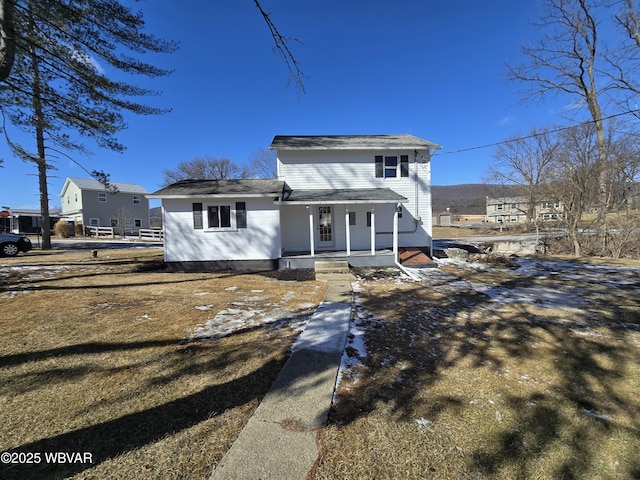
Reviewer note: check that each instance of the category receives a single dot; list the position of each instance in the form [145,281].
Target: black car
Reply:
[11,244]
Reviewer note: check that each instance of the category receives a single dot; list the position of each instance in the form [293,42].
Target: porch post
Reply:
[395,232]
[311,236]
[373,232]
[346,220]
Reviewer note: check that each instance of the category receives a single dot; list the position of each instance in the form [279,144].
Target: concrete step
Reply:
[332,266]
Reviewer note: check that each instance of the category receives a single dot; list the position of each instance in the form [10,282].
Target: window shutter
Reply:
[379,167]
[197,216]
[241,215]
[404,165]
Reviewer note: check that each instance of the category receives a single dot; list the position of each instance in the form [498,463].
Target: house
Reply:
[355,197]
[90,203]
[516,210]
[25,221]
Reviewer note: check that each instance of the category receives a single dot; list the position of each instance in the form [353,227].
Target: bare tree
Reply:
[568,60]
[206,168]
[263,164]
[572,179]
[281,47]
[525,162]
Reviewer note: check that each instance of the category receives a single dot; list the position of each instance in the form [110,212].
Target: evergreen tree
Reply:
[58,84]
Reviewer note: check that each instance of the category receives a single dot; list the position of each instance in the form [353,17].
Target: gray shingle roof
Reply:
[85,184]
[350,142]
[221,187]
[370,195]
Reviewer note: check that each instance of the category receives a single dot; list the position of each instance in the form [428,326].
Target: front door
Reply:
[325,227]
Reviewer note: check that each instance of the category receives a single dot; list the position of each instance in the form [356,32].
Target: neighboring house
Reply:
[89,203]
[25,221]
[356,197]
[514,210]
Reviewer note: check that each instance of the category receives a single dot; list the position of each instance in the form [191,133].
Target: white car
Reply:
[11,244]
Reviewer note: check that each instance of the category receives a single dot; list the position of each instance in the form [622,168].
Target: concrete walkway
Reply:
[279,441]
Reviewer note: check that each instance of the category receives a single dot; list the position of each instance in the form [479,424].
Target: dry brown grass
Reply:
[94,359]
[458,385]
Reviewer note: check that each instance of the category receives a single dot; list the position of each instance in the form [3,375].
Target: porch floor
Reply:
[357,258]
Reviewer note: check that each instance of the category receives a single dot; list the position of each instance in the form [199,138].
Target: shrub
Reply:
[63,229]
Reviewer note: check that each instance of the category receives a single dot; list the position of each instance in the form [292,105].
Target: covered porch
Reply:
[359,258]
[357,226]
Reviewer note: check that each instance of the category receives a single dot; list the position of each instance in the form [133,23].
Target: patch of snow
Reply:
[204,308]
[423,422]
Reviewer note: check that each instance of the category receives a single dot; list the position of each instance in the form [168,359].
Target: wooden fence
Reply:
[100,231]
[150,234]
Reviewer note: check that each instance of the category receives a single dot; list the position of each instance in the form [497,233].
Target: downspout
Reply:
[411,274]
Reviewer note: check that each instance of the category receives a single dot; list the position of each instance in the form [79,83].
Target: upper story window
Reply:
[392,166]
[136,199]
[500,206]
[102,197]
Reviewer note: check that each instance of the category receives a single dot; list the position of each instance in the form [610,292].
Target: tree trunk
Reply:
[7,38]
[41,160]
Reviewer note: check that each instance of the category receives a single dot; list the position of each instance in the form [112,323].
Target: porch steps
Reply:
[331,266]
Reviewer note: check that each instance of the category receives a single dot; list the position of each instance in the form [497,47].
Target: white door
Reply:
[325,237]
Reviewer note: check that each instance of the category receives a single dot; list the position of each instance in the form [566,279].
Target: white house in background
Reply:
[355,197]
[515,210]
[90,203]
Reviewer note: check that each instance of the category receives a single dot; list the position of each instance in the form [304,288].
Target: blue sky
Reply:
[429,68]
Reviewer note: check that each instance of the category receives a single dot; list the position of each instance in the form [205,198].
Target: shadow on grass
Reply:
[578,412]
[129,432]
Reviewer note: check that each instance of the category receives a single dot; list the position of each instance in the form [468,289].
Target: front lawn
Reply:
[526,370]
[151,373]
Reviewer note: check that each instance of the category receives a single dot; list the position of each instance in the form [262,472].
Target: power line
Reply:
[533,135]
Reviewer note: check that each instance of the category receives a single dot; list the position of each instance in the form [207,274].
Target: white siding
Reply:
[306,170]
[259,241]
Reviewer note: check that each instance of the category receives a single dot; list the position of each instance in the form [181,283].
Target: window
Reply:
[137,222]
[368,219]
[136,199]
[114,222]
[387,166]
[102,197]
[352,218]
[241,215]
[75,196]
[94,222]
[197,216]
[219,216]
[390,167]
[500,206]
